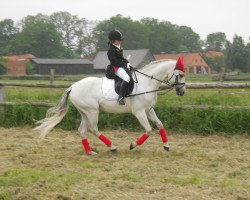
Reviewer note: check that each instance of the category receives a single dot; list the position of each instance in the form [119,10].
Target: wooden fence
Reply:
[188,86]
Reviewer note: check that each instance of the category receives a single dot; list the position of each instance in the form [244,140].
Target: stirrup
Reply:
[121,100]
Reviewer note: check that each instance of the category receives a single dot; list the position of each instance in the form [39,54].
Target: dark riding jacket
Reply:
[115,56]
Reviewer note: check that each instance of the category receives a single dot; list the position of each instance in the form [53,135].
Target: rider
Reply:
[118,63]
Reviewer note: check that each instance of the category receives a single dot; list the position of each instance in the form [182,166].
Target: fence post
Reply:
[2,96]
[2,93]
[222,78]
[222,74]
[52,76]
[51,79]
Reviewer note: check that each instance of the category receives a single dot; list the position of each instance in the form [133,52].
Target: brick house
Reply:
[214,54]
[16,65]
[194,63]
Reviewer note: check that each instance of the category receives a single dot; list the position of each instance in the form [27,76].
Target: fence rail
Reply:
[186,107]
[40,104]
[182,107]
[188,85]
[35,85]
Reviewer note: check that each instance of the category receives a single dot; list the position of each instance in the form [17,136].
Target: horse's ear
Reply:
[180,64]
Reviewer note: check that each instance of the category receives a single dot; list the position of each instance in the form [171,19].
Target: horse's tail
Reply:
[54,115]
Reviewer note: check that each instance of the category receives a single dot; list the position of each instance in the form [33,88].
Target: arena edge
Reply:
[203,122]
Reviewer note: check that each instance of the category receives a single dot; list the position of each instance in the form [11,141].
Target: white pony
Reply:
[87,96]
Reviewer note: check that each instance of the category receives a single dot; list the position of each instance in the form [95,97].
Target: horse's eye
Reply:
[181,76]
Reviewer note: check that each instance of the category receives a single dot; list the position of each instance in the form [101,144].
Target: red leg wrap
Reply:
[163,134]
[105,140]
[86,146]
[142,139]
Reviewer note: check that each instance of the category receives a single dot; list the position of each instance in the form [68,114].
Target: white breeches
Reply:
[121,73]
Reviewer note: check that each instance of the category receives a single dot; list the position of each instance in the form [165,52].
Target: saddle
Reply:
[118,82]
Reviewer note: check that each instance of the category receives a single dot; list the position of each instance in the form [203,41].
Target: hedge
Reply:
[204,122]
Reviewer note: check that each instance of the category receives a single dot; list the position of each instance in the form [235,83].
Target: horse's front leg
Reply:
[142,117]
[153,117]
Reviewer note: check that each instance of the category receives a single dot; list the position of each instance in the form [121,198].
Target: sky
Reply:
[203,16]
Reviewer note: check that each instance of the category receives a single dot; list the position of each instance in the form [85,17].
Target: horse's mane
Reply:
[148,66]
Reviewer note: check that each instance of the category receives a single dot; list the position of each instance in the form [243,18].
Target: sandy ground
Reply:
[197,167]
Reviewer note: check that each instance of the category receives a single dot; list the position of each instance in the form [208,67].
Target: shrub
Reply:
[3,69]
[200,121]
[30,68]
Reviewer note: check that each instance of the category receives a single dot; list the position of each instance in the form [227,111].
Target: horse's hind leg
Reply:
[83,132]
[153,117]
[92,116]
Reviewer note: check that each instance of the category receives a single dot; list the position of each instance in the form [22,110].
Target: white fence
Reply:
[3,86]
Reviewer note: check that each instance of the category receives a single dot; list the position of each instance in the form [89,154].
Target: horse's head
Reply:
[179,77]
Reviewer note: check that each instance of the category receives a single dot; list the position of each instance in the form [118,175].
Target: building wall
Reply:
[16,65]
[193,62]
[16,68]
[147,59]
[99,71]
[65,69]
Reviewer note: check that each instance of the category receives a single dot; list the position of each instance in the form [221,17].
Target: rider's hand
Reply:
[129,65]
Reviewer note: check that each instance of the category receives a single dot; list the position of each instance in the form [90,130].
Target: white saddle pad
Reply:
[108,89]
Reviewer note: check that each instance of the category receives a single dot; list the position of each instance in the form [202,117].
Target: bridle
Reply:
[168,83]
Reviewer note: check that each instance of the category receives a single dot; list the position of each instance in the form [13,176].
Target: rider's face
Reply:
[117,42]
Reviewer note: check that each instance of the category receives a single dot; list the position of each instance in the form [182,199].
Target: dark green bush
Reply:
[30,68]
[201,121]
[3,69]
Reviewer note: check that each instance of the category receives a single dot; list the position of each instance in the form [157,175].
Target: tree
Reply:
[7,33]
[76,33]
[39,38]
[237,54]
[248,57]
[85,41]
[67,25]
[162,36]
[189,38]
[135,34]
[216,63]
[216,41]
[33,19]
[3,68]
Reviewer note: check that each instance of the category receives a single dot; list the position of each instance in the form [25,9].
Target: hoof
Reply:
[92,153]
[132,145]
[113,148]
[166,147]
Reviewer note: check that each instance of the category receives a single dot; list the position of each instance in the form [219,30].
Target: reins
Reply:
[152,77]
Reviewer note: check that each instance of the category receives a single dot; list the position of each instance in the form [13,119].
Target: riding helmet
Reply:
[115,35]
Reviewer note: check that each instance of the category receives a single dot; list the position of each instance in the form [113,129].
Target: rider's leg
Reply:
[121,73]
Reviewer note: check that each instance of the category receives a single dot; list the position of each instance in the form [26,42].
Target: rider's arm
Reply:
[114,59]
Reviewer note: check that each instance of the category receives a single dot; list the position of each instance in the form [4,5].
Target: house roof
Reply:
[213,54]
[56,61]
[19,57]
[137,56]
[190,59]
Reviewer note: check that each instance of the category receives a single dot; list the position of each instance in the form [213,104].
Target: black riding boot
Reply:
[122,93]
